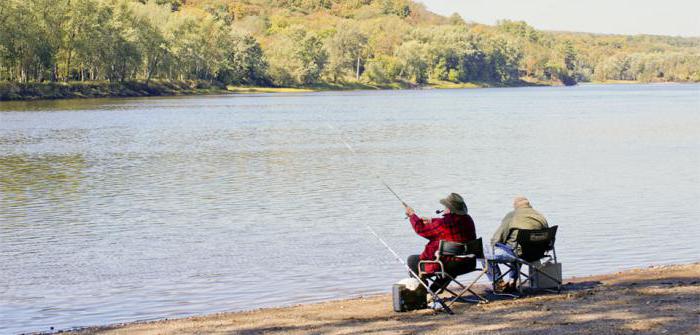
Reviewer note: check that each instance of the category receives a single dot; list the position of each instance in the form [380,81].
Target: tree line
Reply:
[87,40]
[309,42]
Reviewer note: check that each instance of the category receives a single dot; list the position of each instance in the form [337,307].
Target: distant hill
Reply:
[387,43]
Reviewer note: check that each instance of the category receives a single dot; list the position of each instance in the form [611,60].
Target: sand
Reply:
[655,300]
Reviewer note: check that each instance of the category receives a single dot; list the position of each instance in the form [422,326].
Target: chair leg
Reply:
[469,289]
[522,282]
[445,287]
[504,274]
[496,279]
[450,291]
[479,296]
[437,299]
[458,283]
[518,279]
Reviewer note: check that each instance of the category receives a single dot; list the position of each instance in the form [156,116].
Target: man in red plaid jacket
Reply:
[455,225]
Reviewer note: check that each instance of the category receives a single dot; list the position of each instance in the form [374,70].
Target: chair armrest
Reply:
[420,269]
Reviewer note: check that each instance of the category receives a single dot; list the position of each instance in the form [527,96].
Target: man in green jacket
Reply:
[505,248]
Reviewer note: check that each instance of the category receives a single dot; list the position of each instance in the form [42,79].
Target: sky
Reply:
[630,17]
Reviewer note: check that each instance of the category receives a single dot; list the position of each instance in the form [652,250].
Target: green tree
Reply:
[569,55]
[411,56]
[504,61]
[246,62]
[312,58]
[400,8]
[150,21]
[456,19]
[298,57]
[346,49]
[382,69]
[30,39]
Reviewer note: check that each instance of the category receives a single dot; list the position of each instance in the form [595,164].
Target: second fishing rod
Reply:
[436,298]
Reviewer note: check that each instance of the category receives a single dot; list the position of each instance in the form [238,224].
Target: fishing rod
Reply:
[352,150]
[436,298]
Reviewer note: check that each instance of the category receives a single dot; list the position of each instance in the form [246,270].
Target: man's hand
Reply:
[409,211]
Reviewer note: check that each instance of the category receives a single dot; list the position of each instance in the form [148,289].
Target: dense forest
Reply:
[312,42]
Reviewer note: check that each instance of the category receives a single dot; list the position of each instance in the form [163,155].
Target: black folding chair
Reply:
[535,246]
[470,250]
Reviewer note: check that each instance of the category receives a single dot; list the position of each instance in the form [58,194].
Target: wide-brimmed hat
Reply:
[455,204]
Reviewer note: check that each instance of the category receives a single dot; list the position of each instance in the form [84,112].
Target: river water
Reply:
[115,210]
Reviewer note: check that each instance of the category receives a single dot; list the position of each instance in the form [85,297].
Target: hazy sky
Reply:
[660,17]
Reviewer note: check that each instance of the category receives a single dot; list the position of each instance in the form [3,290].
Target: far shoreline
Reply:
[659,298]
[15,92]
[12,91]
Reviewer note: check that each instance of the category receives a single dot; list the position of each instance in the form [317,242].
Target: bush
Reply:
[454,75]
[376,73]
[280,76]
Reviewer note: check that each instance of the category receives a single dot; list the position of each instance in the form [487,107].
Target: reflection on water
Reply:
[118,210]
[41,180]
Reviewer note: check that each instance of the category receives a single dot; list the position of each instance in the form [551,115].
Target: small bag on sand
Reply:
[408,295]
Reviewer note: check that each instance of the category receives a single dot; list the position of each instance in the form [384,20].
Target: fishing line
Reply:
[352,150]
[436,298]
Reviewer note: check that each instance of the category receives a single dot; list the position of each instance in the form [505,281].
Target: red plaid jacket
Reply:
[451,227]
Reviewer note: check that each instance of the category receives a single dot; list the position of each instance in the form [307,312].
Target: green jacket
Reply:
[522,218]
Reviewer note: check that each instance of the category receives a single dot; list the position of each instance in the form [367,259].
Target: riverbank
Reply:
[51,91]
[11,91]
[654,300]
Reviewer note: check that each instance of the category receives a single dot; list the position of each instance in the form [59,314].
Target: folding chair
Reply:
[470,250]
[535,245]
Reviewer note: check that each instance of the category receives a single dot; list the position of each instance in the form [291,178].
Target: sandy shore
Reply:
[655,300]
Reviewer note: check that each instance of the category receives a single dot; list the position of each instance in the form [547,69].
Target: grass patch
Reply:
[338,86]
[261,89]
[451,85]
[523,82]
[615,82]
[350,86]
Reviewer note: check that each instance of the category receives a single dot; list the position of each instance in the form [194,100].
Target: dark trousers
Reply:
[454,269]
